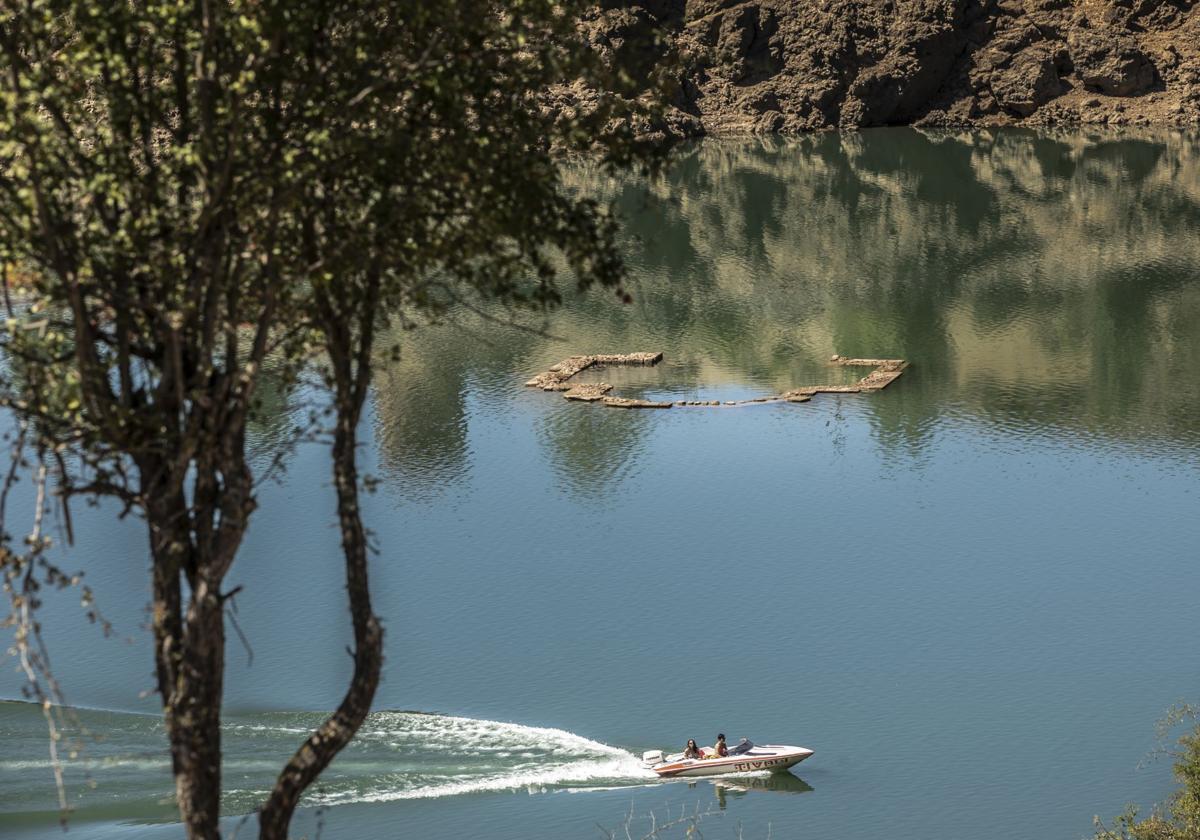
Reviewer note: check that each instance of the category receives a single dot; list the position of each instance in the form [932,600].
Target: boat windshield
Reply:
[744,747]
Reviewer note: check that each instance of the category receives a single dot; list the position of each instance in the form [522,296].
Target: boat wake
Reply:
[395,756]
[434,755]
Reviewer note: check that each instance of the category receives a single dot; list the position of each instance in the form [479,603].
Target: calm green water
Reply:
[972,593]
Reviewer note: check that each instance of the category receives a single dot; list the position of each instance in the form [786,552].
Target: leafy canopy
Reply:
[192,190]
[1180,820]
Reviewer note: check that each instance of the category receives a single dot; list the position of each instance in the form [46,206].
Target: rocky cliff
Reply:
[802,65]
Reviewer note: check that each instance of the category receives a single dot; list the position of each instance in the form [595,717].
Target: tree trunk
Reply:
[189,654]
[168,626]
[194,715]
[319,749]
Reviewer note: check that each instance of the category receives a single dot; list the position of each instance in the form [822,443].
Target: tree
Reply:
[1181,821]
[193,190]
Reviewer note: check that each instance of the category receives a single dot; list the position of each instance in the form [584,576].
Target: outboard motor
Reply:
[652,757]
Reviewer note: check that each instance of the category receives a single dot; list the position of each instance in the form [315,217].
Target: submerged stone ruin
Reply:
[557,378]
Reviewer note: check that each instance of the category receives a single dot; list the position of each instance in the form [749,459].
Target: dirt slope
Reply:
[801,65]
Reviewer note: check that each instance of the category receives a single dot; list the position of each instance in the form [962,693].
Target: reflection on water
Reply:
[776,782]
[1039,283]
[592,449]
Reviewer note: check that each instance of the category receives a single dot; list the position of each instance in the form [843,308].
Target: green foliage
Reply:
[171,173]
[191,191]
[1181,818]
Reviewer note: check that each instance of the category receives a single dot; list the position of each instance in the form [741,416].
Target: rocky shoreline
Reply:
[790,66]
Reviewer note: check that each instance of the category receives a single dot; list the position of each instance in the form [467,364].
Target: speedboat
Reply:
[744,758]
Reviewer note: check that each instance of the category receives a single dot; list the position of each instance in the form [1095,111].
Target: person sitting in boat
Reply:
[692,750]
[720,749]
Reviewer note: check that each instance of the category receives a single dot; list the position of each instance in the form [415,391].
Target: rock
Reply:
[1167,58]
[626,402]
[626,37]
[588,392]
[762,101]
[1029,82]
[743,41]
[697,9]
[757,66]
[555,377]
[1012,41]
[548,381]
[769,123]
[877,380]
[1110,62]
[663,10]
[627,359]
[883,373]
[896,88]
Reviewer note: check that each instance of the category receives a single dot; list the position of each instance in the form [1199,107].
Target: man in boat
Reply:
[720,749]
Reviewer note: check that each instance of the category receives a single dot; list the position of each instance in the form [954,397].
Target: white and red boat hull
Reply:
[766,758]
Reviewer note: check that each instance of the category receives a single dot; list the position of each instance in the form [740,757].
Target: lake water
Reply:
[972,593]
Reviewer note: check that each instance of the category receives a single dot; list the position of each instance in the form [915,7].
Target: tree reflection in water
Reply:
[1037,282]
